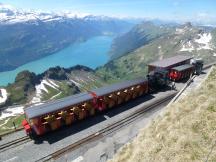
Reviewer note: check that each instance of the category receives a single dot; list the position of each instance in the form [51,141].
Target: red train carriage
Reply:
[181,72]
[168,63]
[53,115]
[50,116]
[177,67]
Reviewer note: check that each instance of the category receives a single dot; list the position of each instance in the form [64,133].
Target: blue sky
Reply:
[182,10]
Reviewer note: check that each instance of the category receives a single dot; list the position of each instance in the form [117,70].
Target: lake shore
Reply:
[91,53]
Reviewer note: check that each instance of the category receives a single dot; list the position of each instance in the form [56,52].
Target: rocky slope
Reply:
[183,39]
[30,35]
[54,83]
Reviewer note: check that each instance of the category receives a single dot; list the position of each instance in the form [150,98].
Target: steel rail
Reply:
[204,67]
[209,65]
[14,143]
[189,82]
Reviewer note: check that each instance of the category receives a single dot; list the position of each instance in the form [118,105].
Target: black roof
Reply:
[182,67]
[170,61]
[118,86]
[39,110]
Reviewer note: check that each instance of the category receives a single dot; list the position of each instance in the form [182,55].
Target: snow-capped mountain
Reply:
[29,35]
[10,15]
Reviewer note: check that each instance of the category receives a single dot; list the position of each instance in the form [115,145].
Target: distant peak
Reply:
[147,23]
[187,24]
[10,14]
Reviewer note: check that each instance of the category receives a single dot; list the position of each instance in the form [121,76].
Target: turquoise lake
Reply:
[91,53]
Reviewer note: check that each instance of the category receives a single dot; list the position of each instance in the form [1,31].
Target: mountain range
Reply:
[130,53]
[148,42]
[155,42]
[30,35]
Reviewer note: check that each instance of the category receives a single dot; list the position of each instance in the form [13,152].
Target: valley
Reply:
[158,43]
[27,36]
[110,55]
[91,53]
[115,81]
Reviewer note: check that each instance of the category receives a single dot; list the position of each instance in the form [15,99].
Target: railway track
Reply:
[208,65]
[106,131]
[187,84]
[93,137]
[116,126]
[14,143]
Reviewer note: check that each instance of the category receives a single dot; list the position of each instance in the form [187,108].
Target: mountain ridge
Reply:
[56,82]
[34,38]
[183,39]
[138,36]
[10,15]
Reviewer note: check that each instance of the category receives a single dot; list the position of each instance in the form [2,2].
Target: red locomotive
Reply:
[181,72]
[50,116]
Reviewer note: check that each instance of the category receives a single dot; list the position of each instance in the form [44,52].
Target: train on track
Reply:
[53,115]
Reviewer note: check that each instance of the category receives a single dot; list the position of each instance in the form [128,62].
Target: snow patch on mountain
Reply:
[12,111]
[53,83]
[76,83]
[204,38]
[11,15]
[187,47]
[41,88]
[204,41]
[49,83]
[3,96]
[179,31]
